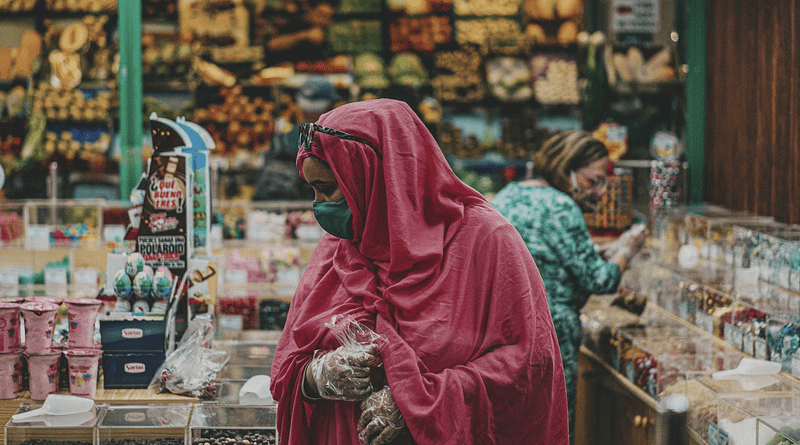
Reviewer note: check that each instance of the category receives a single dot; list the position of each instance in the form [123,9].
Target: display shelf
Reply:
[160,424]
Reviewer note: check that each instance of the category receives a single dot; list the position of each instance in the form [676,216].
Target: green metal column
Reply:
[696,99]
[129,29]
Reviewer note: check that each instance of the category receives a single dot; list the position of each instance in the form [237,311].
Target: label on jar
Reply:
[713,433]
[749,345]
[683,310]
[652,386]
[760,346]
[796,364]
[728,333]
[9,283]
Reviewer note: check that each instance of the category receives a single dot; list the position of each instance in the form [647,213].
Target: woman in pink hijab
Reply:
[425,261]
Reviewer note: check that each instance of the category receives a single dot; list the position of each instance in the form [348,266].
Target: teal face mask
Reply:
[335,217]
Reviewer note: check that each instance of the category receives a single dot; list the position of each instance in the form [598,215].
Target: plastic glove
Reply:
[380,416]
[344,373]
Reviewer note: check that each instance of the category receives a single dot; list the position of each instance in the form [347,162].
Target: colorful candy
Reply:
[134,265]
[142,285]
[123,286]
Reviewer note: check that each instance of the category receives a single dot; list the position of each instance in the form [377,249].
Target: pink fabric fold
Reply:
[472,355]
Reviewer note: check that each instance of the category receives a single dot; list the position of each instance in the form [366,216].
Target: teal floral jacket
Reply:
[553,228]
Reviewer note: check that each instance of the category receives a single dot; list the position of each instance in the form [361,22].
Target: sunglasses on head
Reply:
[307,130]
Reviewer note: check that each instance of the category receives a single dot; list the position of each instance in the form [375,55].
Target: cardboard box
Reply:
[132,333]
[130,370]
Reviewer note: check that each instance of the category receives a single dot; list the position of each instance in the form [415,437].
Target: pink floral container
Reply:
[82,313]
[82,365]
[43,373]
[40,317]
[55,300]
[10,374]
[9,326]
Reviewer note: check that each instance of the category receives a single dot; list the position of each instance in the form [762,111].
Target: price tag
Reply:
[9,283]
[37,237]
[760,345]
[737,338]
[114,233]
[729,336]
[55,281]
[748,345]
[230,322]
[796,364]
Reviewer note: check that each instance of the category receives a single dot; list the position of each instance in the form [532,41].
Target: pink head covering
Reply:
[472,353]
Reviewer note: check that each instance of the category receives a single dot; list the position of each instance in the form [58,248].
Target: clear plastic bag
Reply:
[346,372]
[191,369]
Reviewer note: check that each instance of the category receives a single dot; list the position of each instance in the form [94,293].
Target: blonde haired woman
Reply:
[571,175]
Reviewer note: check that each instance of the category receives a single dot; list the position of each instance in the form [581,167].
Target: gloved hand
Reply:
[381,421]
[344,373]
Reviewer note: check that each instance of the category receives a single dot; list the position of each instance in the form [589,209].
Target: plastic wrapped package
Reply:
[236,424]
[191,369]
[144,425]
[72,429]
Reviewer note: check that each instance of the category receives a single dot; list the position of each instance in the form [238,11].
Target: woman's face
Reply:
[321,178]
[590,182]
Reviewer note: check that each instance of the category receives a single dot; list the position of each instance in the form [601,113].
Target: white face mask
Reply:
[587,201]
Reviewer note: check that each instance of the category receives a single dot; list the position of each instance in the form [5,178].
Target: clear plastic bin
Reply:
[144,424]
[74,429]
[64,223]
[759,420]
[256,424]
[227,392]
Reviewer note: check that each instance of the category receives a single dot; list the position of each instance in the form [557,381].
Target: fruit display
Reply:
[419,34]
[215,23]
[159,8]
[240,122]
[92,6]
[509,79]
[459,79]
[631,66]
[355,36]
[407,69]
[17,5]
[79,51]
[78,105]
[486,7]
[477,31]
[164,56]
[555,80]
[370,71]
[84,144]
[359,6]
[552,9]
